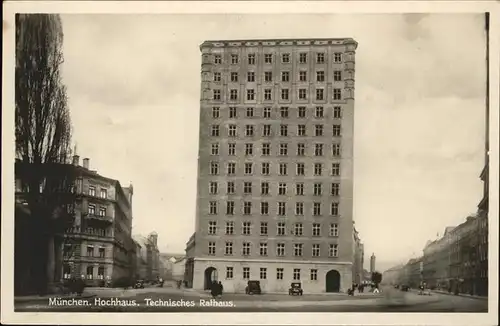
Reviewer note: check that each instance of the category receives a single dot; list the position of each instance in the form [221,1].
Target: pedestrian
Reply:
[221,288]
[214,289]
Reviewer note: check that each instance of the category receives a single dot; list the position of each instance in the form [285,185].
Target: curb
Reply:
[461,295]
[45,299]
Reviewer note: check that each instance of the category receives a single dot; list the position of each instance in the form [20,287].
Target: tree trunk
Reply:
[51,262]
[58,246]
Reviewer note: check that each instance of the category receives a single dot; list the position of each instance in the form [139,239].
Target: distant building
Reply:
[172,266]
[358,260]
[149,256]
[392,275]
[372,263]
[437,260]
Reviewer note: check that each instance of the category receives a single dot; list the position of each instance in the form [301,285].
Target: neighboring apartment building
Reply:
[275,181]
[436,261]
[149,256]
[392,275]
[172,266]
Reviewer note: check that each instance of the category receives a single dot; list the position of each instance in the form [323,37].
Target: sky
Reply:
[133,85]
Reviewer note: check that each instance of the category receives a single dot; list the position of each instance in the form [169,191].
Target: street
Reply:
[167,299]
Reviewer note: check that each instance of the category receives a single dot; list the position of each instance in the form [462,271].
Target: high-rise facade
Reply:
[275,173]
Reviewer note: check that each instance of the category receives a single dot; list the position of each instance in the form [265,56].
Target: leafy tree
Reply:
[43,136]
[376,278]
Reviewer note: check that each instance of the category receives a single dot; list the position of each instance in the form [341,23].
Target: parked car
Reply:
[295,289]
[405,288]
[253,287]
[139,284]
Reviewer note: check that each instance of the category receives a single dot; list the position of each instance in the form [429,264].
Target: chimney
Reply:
[86,163]
[76,160]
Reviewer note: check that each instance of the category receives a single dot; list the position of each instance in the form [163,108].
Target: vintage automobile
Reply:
[295,288]
[405,288]
[253,287]
[139,284]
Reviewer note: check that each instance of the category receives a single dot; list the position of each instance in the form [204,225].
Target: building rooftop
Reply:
[279,41]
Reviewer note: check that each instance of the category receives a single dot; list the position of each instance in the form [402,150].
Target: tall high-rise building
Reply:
[275,175]
[372,263]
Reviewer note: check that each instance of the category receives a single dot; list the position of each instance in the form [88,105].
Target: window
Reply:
[249,112]
[230,188]
[336,131]
[300,168]
[214,168]
[285,58]
[230,208]
[246,273]
[335,169]
[318,169]
[297,249]
[298,230]
[280,230]
[214,187]
[301,149]
[279,272]
[302,57]
[316,209]
[285,76]
[266,149]
[336,150]
[299,189]
[215,149]
[217,59]
[90,251]
[229,228]
[266,130]
[314,274]
[247,208]
[301,112]
[248,149]
[211,248]
[333,250]
[337,94]
[302,94]
[303,76]
[232,112]
[102,252]
[335,189]
[66,271]
[318,189]
[299,208]
[334,209]
[263,249]
[265,167]
[228,249]
[234,77]
[283,149]
[315,250]
[263,273]
[285,94]
[214,132]
[229,273]
[334,230]
[263,228]
[268,94]
[212,227]
[91,209]
[248,168]
[102,211]
[337,112]
[90,272]
[320,58]
[318,149]
[283,130]
[92,191]
[281,209]
[337,75]
[250,94]
[283,170]
[268,58]
[282,189]
[217,77]
[233,94]
[234,59]
[100,273]
[268,76]
[296,274]
[284,112]
[337,57]
[318,130]
[320,76]
[320,94]
[301,130]
[264,208]
[213,208]
[264,188]
[246,250]
[232,131]
[266,112]
[251,76]
[216,94]
[316,230]
[251,59]
[249,130]
[319,112]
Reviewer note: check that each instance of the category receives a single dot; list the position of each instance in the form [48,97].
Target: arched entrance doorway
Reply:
[332,281]
[210,276]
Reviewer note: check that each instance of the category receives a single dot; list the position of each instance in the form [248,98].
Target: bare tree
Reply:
[43,136]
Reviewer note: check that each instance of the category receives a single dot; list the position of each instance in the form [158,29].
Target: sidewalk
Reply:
[461,295]
[45,298]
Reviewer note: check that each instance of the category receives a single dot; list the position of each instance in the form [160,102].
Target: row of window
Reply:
[67,274]
[284,112]
[92,210]
[234,76]
[280,273]
[297,230]
[298,249]
[285,94]
[265,169]
[302,58]
[265,188]
[103,193]
[319,130]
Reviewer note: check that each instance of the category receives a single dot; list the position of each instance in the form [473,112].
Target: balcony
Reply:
[79,232]
[99,218]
